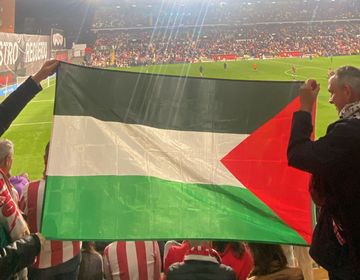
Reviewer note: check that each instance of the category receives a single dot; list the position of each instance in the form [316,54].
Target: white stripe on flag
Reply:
[85,146]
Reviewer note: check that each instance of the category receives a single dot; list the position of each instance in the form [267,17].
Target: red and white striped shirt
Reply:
[53,252]
[132,260]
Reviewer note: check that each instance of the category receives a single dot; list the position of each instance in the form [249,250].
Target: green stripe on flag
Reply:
[152,208]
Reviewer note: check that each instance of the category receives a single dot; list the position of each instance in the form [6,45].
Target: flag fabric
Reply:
[143,157]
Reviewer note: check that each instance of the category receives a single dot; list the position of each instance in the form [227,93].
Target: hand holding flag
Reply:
[46,70]
[308,93]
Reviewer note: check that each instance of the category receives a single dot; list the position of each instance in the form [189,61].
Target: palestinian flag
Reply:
[142,156]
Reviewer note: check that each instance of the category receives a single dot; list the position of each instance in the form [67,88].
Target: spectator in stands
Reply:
[57,259]
[91,267]
[174,252]
[16,101]
[15,225]
[161,13]
[100,246]
[237,256]
[6,160]
[270,263]
[200,262]
[132,260]
[298,256]
[161,244]
[19,182]
[22,253]
[332,160]
[143,47]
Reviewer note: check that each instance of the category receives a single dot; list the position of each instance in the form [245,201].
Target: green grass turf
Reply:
[30,133]
[31,130]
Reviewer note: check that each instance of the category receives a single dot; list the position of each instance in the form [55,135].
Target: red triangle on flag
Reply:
[260,164]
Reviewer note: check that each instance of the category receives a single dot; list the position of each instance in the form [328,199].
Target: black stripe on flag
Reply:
[170,102]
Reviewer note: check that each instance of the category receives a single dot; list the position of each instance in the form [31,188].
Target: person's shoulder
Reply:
[107,248]
[226,269]
[344,125]
[178,248]
[352,121]
[34,184]
[96,256]
[227,272]
[175,267]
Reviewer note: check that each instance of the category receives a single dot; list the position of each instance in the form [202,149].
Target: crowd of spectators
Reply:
[123,48]
[128,14]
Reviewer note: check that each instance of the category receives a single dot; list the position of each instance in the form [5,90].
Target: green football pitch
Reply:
[32,129]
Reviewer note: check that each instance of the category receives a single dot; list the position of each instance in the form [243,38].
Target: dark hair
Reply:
[268,258]
[238,248]
[89,246]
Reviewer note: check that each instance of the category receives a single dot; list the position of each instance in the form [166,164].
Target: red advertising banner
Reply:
[225,57]
[62,55]
[290,54]
[6,79]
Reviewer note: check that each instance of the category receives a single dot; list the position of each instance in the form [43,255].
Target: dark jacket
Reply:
[334,162]
[18,255]
[15,102]
[200,270]
[21,253]
[91,267]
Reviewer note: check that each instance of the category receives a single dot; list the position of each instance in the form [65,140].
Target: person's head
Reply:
[6,155]
[194,243]
[344,87]
[89,246]
[238,248]
[268,258]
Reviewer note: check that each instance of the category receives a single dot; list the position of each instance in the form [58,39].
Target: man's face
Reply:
[338,94]
[8,164]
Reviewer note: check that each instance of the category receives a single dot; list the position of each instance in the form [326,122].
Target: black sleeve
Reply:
[15,102]
[323,154]
[18,255]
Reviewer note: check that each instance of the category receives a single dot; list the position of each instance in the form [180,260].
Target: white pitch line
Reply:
[300,65]
[34,123]
[48,100]
[287,72]
[292,75]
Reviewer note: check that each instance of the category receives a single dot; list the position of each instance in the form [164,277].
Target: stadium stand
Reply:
[125,14]
[123,48]
[156,32]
